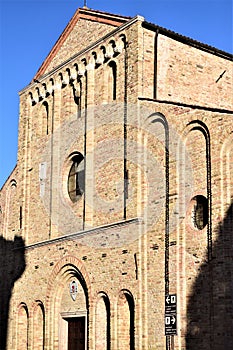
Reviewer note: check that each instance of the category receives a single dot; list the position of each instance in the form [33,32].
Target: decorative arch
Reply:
[125,320]
[82,63]
[102,322]
[103,49]
[67,268]
[45,91]
[22,327]
[119,44]
[112,42]
[123,37]
[75,73]
[38,326]
[63,77]
[50,87]
[38,97]
[99,56]
[195,239]
[109,50]
[32,100]
[154,118]
[226,156]
[68,72]
[11,222]
[198,125]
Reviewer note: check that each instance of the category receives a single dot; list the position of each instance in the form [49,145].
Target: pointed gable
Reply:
[85,27]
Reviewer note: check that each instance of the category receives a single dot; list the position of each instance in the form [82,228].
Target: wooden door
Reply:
[76,333]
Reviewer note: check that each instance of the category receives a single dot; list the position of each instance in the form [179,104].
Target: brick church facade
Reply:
[122,194]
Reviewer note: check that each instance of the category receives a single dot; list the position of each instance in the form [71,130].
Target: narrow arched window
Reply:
[46,116]
[76,179]
[113,79]
[200,212]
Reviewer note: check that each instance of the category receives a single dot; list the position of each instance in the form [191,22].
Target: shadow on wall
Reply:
[210,310]
[12,266]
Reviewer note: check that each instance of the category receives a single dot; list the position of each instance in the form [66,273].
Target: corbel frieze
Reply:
[75,70]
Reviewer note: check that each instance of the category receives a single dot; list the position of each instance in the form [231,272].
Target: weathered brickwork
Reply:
[123,188]
[182,70]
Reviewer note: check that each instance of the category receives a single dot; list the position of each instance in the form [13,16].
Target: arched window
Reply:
[76,178]
[200,212]
[112,80]
[45,116]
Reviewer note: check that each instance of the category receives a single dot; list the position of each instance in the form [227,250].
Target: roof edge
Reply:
[118,18]
[188,41]
[81,13]
[8,177]
[83,51]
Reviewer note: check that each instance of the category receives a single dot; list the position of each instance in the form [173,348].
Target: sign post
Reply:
[170,318]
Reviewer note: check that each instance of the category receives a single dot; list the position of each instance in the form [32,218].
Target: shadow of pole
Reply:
[210,309]
[12,266]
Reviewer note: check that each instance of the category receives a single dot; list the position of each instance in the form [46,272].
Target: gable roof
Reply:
[84,13]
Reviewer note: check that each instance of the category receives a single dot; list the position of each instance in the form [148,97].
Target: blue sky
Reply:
[30,28]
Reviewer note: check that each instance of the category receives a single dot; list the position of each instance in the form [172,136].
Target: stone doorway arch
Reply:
[68,305]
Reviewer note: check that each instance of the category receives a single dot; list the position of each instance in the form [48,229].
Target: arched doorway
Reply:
[73,315]
[68,308]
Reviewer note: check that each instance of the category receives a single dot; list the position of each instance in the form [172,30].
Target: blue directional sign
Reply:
[170,314]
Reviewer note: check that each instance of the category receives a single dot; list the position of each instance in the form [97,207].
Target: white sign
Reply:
[73,289]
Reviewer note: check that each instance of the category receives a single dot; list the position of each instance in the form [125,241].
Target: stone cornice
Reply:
[81,234]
